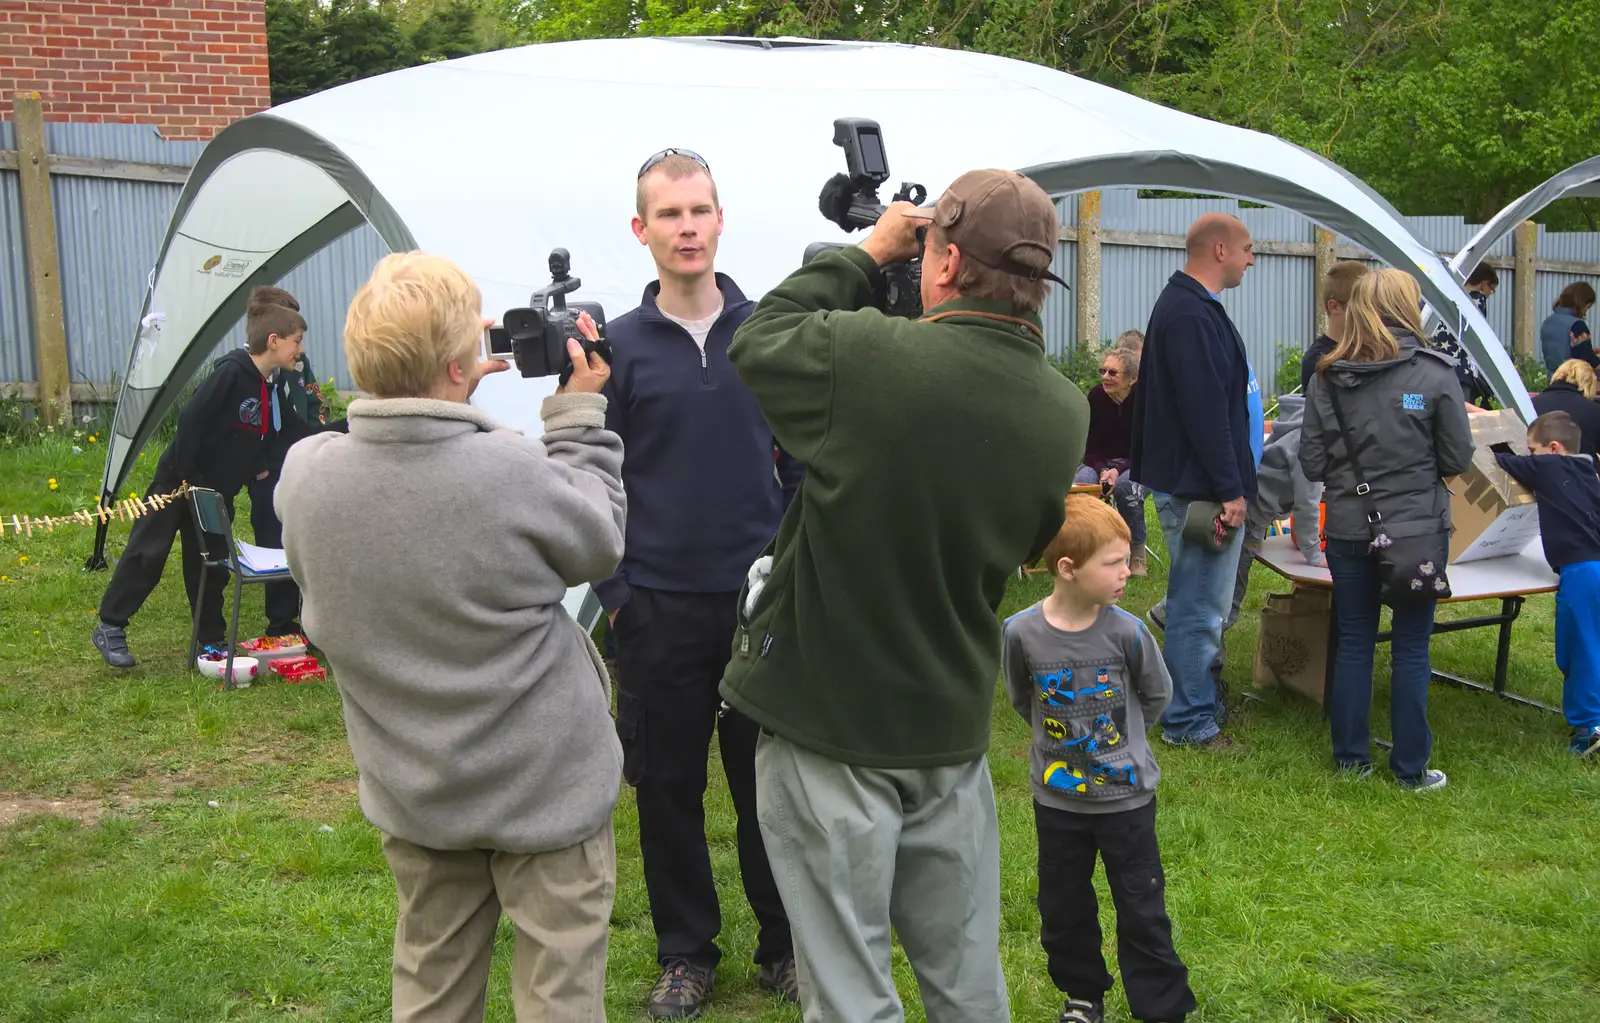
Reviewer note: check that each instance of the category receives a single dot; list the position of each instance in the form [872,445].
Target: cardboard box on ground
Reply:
[1292,646]
[1492,515]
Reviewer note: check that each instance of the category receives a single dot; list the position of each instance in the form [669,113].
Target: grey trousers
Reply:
[857,850]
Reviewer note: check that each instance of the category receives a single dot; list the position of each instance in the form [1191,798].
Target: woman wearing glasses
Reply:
[1106,457]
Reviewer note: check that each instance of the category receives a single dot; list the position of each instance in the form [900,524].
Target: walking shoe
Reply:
[1429,781]
[112,642]
[1221,742]
[1585,742]
[1139,563]
[1353,770]
[289,628]
[682,991]
[782,977]
[1081,1012]
[1158,615]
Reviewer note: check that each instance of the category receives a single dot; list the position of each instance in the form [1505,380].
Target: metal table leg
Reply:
[1510,610]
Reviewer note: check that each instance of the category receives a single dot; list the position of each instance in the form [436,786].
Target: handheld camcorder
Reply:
[851,201]
[535,336]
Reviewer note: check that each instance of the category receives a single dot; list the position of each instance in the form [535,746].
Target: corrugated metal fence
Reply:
[110,231]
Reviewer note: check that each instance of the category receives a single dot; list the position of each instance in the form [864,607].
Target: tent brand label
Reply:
[233,266]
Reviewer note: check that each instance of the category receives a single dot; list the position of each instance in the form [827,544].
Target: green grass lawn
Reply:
[171,852]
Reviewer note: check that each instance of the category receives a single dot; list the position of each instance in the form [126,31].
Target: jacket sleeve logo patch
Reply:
[1414,402]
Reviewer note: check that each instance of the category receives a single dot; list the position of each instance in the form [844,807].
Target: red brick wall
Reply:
[189,67]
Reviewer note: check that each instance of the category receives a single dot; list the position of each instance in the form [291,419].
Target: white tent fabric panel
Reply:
[540,145]
[493,160]
[214,248]
[293,192]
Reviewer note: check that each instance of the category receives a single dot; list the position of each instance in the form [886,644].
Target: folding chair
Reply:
[211,520]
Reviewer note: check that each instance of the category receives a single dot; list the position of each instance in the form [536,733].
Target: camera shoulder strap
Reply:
[1019,321]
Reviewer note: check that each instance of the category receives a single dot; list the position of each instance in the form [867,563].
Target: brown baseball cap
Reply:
[1002,219]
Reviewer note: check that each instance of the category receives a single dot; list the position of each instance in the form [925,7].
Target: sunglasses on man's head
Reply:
[656,159]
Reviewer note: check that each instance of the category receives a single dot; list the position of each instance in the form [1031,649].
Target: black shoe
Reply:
[782,977]
[1082,1012]
[682,991]
[112,642]
[290,628]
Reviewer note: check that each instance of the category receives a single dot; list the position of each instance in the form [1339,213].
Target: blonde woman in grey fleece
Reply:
[434,548]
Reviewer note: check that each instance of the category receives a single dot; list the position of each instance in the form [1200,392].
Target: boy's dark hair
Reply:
[266,294]
[266,320]
[1483,273]
[1556,428]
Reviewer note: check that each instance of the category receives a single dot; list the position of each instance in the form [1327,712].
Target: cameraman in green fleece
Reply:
[939,453]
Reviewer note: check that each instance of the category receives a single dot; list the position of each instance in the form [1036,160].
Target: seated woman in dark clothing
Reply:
[1109,449]
[1572,391]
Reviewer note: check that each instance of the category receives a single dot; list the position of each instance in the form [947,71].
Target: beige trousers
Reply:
[450,905]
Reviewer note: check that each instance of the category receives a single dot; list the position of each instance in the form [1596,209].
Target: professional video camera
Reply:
[851,201]
[536,336]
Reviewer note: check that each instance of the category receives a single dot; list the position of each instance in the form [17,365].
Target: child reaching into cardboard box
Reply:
[1568,491]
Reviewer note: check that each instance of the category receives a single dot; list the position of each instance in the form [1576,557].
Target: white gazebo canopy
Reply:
[493,160]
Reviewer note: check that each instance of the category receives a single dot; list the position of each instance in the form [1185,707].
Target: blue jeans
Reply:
[1199,594]
[1356,609]
[1129,497]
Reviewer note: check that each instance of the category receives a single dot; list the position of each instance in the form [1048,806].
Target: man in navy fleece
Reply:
[706,488]
[1198,435]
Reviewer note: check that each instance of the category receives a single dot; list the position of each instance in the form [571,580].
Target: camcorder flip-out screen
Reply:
[497,343]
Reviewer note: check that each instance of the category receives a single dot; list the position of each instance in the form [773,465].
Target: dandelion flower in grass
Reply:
[87,419]
[5,578]
[91,438]
[53,483]
[22,560]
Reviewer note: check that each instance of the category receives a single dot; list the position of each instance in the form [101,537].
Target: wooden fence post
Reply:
[1088,279]
[44,264]
[1524,317]
[1322,262]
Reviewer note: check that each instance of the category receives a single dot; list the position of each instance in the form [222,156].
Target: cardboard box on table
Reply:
[1491,514]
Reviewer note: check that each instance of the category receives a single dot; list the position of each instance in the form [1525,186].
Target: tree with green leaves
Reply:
[317,44]
[1443,107]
